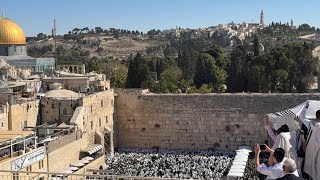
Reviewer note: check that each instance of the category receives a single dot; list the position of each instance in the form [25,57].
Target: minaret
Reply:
[2,13]
[291,23]
[262,19]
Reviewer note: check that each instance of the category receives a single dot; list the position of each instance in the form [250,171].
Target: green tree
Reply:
[98,30]
[160,66]
[172,74]
[256,46]
[138,72]
[236,70]
[200,76]
[186,62]
[208,72]
[95,64]
[216,52]
[119,76]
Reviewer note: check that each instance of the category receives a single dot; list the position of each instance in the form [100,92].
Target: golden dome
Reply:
[11,33]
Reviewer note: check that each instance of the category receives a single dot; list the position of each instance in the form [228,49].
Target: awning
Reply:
[77,164]
[92,148]
[66,171]
[72,168]
[55,178]
[88,158]
[84,161]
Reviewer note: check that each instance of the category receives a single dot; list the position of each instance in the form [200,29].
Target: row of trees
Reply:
[99,30]
[288,68]
[35,51]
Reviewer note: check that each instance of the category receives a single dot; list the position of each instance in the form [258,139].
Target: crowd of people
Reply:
[287,155]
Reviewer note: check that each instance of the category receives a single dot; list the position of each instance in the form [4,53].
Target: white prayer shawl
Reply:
[306,113]
[287,141]
[312,158]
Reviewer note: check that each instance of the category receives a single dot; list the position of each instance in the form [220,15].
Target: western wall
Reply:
[196,121]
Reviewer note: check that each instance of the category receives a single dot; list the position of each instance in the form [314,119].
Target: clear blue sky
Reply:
[36,16]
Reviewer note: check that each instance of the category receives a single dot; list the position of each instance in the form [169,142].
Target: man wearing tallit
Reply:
[312,158]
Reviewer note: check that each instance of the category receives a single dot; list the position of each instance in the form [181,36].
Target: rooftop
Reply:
[62,93]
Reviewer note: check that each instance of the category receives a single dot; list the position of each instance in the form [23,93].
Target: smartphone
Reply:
[262,147]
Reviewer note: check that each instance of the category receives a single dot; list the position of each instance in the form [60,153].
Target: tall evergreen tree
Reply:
[256,46]
[236,70]
[186,62]
[138,72]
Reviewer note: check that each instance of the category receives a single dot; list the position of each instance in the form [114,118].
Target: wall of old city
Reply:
[196,121]
[98,109]
[23,114]
[58,110]
[61,158]
[93,113]
[4,117]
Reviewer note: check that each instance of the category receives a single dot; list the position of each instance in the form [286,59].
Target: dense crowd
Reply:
[171,163]
[179,164]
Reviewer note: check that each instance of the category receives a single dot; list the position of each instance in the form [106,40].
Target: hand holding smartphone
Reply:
[262,147]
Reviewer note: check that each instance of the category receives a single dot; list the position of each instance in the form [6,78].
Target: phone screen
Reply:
[262,147]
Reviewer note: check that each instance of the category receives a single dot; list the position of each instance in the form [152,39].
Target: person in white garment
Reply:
[312,158]
[287,140]
[274,170]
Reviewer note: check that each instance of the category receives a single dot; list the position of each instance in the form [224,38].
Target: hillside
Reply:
[99,46]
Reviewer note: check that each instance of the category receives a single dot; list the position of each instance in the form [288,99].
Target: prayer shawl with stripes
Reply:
[303,113]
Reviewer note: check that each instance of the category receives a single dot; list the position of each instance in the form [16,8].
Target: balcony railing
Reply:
[27,175]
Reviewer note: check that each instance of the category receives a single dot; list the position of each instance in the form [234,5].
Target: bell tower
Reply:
[262,19]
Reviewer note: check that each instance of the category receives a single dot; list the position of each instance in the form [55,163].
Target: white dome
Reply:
[62,93]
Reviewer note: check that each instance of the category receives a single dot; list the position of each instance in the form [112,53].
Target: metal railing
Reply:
[27,175]
[64,140]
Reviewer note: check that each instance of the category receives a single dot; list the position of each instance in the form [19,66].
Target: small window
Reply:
[91,124]
[99,122]
[91,108]
[106,119]
[101,103]
[21,126]
[2,124]
[41,164]
[65,111]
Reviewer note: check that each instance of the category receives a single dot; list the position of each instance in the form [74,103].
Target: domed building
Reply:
[13,48]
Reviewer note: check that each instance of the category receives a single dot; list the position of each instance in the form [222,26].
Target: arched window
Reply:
[101,103]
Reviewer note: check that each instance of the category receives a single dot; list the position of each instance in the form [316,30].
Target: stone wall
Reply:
[22,115]
[97,117]
[196,121]
[58,110]
[93,114]
[61,158]
[4,117]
